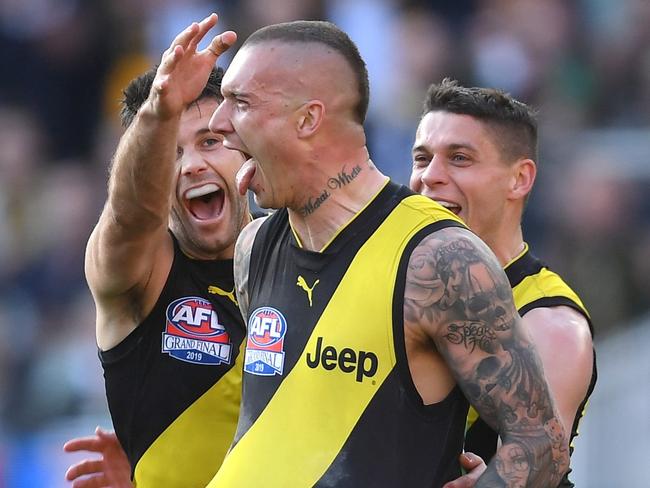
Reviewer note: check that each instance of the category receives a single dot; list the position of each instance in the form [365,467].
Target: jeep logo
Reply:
[348,360]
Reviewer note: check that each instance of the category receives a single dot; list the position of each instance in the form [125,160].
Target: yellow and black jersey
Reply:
[533,286]
[174,384]
[328,399]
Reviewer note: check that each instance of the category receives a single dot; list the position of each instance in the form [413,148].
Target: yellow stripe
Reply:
[191,449]
[311,415]
[472,416]
[523,251]
[543,284]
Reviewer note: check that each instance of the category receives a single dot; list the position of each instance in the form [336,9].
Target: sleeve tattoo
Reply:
[457,291]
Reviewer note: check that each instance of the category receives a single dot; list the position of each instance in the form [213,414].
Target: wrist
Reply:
[153,111]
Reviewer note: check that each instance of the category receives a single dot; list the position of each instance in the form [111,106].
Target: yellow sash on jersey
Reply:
[189,452]
[311,415]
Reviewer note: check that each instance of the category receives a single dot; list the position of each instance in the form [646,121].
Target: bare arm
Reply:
[563,341]
[242,262]
[129,252]
[458,294]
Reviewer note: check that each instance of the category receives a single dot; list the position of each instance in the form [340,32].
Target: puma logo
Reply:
[303,284]
[215,290]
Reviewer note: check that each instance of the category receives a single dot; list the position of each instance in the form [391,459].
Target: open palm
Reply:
[184,71]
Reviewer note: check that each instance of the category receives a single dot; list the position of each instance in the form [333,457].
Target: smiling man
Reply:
[474,153]
[159,265]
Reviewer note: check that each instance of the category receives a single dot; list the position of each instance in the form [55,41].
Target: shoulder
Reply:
[452,243]
[248,233]
[244,247]
[562,326]
[452,273]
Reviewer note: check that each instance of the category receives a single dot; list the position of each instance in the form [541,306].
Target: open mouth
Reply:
[452,207]
[205,202]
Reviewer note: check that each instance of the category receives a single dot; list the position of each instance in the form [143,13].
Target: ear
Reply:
[310,116]
[523,178]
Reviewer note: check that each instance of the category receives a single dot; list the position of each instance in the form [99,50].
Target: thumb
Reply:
[222,42]
[469,460]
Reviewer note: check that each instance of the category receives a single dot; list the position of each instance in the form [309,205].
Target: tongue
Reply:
[244,176]
[206,208]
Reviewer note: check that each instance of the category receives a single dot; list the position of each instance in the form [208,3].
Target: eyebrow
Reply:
[234,93]
[202,131]
[448,147]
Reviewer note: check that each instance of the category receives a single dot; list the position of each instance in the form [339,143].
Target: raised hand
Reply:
[183,71]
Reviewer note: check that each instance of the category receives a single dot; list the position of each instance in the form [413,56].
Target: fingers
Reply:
[222,42]
[184,38]
[90,443]
[170,60]
[462,482]
[93,443]
[107,435]
[95,481]
[469,460]
[204,26]
[87,466]
[473,463]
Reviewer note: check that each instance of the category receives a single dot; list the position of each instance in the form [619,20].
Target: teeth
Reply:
[199,191]
[446,204]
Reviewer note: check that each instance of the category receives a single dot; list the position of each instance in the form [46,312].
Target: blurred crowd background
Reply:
[584,65]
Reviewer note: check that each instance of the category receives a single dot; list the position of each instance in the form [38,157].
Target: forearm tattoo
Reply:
[457,291]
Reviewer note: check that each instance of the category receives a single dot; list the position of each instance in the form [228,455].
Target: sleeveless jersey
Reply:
[173,385]
[328,399]
[533,286]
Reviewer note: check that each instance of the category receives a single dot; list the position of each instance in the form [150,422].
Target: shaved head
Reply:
[332,52]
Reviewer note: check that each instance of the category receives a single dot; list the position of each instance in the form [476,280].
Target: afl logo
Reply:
[193,333]
[265,345]
[267,327]
[194,316]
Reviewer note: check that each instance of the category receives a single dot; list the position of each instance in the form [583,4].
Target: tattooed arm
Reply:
[458,295]
[242,263]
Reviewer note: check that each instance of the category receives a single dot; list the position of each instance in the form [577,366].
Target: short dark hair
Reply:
[321,32]
[513,122]
[137,92]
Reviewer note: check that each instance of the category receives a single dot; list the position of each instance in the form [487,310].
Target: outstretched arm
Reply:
[111,470]
[129,252]
[457,293]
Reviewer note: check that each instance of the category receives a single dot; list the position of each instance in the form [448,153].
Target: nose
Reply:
[435,172]
[192,163]
[220,122]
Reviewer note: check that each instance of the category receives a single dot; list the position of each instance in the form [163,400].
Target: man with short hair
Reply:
[159,265]
[474,153]
[369,308]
